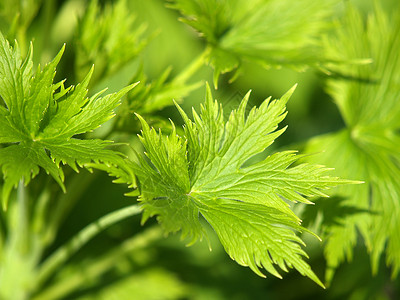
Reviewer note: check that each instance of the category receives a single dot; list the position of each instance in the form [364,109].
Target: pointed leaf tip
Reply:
[216,78]
[291,90]
[285,98]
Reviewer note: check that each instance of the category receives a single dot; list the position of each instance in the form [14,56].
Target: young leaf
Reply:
[150,97]
[40,119]
[272,33]
[204,175]
[115,40]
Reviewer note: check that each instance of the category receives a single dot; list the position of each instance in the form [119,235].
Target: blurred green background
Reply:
[167,269]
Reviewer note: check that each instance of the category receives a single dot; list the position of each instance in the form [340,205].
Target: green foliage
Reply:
[223,176]
[205,174]
[114,41]
[159,284]
[272,33]
[40,117]
[368,149]
[150,97]
[17,15]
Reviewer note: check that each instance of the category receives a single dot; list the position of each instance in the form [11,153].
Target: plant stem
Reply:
[2,232]
[61,255]
[49,11]
[18,256]
[196,64]
[97,268]
[23,222]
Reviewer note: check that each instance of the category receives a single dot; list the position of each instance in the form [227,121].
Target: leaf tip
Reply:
[131,86]
[4,204]
[216,78]
[289,93]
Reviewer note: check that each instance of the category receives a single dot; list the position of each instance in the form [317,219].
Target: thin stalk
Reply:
[100,266]
[49,11]
[2,233]
[52,263]
[21,38]
[16,256]
[23,222]
[194,66]
[3,229]
[39,221]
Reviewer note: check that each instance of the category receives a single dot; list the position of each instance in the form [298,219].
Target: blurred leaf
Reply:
[113,41]
[369,148]
[372,101]
[270,32]
[17,15]
[151,284]
[329,212]
[150,97]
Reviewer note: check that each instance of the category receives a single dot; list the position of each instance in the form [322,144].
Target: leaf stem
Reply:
[18,254]
[61,255]
[23,222]
[101,265]
[49,11]
[195,65]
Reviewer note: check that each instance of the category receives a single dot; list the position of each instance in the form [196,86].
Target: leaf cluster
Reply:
[214,172]
[41,119]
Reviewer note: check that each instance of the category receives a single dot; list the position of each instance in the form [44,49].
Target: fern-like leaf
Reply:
[204,175]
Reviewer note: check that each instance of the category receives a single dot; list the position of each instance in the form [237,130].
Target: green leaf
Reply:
[23,161]
[40,119]
[206,175]
[149,97]
[273,33]
[368,148]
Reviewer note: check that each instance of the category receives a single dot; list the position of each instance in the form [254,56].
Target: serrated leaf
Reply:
[204,175]
[257,236]
[23,161]
[40,94]
[40,119]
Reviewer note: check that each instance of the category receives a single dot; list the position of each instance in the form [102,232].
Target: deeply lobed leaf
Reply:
[203,175]
[40,119]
